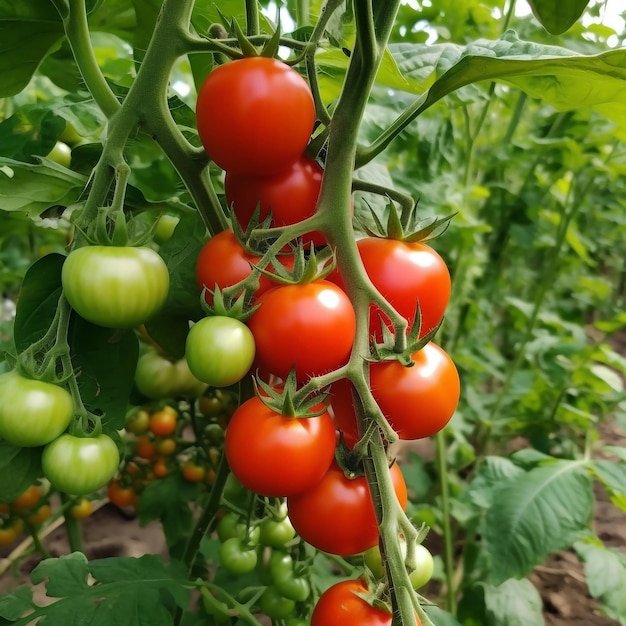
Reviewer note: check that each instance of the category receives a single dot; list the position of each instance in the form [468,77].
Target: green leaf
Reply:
[557,17]
[28,30]
[492,474]
[613,476]
[33,188]
[16,602]
[105,361]
[19,468]
[513,603]
[605,571]
[37,303]
[127,591]
[535,514]
[440,617]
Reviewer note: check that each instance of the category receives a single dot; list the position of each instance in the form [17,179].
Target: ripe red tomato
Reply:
[310,327]
[337,515]
[255,115]
[224,262]
[121,495]
[275,455]
[290,195]
[340,605]
[417,401]
[405,274]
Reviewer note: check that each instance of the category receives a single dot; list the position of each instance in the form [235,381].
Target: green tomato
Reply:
[275,605]
[61,153]
[237,557]
[276,533]
[231,525]
[424,567]
[32,412]
[113,286]
[296,621]
[80,465]
[157,377]
[165,228]
[285,580]
[219,350]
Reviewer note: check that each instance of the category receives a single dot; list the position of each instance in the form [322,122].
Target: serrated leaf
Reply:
[19,468]
[38,299]
[28,30]
[535,514]
[16,602]
[105,361]
[513,603]
[492,474]
[555,16]
[33,188]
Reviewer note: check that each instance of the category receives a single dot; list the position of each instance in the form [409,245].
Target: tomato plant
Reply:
[309,327]
[219,350]
[80,465]
[291,196]
[32,412]
[237,94]
[324,514]
[287,455]
[116,287]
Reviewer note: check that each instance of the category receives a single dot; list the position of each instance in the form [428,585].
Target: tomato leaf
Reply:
[105,361]
[19,468]
[38,300]
[534,514]
[557,17]
[612,475]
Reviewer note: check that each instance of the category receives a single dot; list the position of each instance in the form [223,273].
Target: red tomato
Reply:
[224,262]
[417,401]
[310,327]
[290,195]
[337,515]
[405,274]
[340,605]
[255,115]
[275,455]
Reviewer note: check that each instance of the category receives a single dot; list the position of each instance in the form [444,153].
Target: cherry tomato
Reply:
[275,605]
[405,274]
[82,509]
[160,468]
[291,196]
[310,327]
[157,377]
[424,566]
[163,423]
[236,557]
[237,95]
[121,495]
[275,455]
[27,500]
[32,412]
[40,515]
[284,578]
[80,465]
[219,350]
[115,287]
[337,515]
[232,525]
[276,533]
[144,447]
[166,447]
[224,262]
[193,472]
[61,153]
[11,531]
[342,604]
[137,421]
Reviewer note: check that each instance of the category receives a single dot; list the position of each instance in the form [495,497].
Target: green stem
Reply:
[73,527]
[77,31]
[448,538]
[252,18]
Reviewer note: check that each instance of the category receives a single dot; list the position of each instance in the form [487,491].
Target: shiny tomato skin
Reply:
[32,412]
[337,515]
[405,273]
[340,605]
[310,327]
[80,465]
[290,195]
[418,401]
[115,286]
[224,262]
[275,455]
[255,115]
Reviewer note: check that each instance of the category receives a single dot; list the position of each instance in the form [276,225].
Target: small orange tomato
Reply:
[192,472]
[121,495]
[166,447]
[28,499]
[160,468]
[40,515]
[163,422]
[144,447]
[82,509]
[11,531]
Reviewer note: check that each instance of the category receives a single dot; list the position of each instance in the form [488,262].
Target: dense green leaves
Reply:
[19,468]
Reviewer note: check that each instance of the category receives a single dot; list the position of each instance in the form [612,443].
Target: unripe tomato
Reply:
[82,509]
[157,377]
[80,465]
[255,115]
[236,557]
[61,153]
[219,350]
[115,287]
[32,412]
